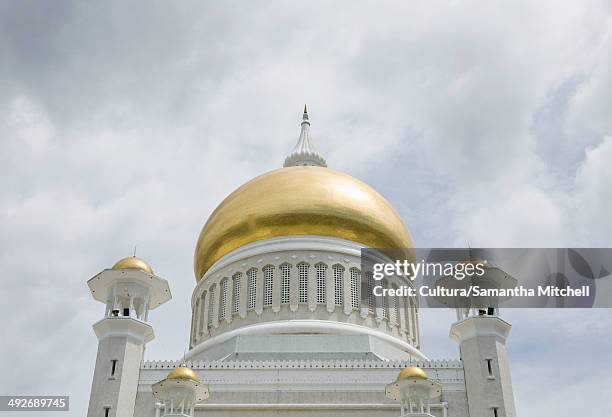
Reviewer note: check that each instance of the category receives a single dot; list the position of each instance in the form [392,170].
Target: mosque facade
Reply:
[280,324]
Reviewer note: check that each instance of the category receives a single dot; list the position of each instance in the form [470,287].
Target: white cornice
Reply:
[301,326]
[480,326]
[135,330]
[284,244]
[165,365]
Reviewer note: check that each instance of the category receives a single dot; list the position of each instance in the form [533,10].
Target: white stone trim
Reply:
[310,406]
[284,244]
[293,251]
[295,406]
[300,326]
[480,326]
[429,364]
[136,330]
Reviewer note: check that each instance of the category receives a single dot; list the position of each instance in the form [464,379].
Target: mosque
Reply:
[279,323]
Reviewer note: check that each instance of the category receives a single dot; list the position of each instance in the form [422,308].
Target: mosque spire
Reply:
[304,153]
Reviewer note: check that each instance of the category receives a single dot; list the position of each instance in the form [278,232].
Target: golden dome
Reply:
[183,372]
[411,372]
[132,262]
[299,200]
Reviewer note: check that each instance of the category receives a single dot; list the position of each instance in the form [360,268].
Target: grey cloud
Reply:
[90,61]
[125,125]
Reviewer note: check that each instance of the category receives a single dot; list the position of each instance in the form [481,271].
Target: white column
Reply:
[244,291]
[115,297]
[200,317]
[363,288]
[131,307]
[312,287]
[294,288]
[214,299]
[276,288]
[146,308]
[260,291]
[402,315]
[194,322]
[380,303]
[329,288]
[415,315]
[394,309]
[346,284]
[205,310]
[411,321]
[229,304]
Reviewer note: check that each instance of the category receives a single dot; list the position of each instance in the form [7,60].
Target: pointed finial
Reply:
[134,251]
[303,153]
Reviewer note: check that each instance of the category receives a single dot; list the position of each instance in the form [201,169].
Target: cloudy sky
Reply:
[125,124]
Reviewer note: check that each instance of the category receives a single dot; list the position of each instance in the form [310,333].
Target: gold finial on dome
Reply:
[304,153]
[411,372]
[132,262]
[183,372]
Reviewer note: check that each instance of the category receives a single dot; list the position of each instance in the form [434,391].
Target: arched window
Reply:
[354,287]
[223,300]
[211,304]
[303,282]
[285,282]
[194,321]
[408,315]
[252,288]
[338,284]
[321,290]
[369,292]
[236,293]
[394,307]
[384,301]
[268,284]
[202,311]
[414,313]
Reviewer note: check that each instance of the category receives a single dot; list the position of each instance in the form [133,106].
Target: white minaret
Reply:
[129,289]
[481,335]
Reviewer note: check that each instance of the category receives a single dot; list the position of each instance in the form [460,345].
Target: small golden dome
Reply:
[132,262]
[183,372]
[411,372]
[299,200]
